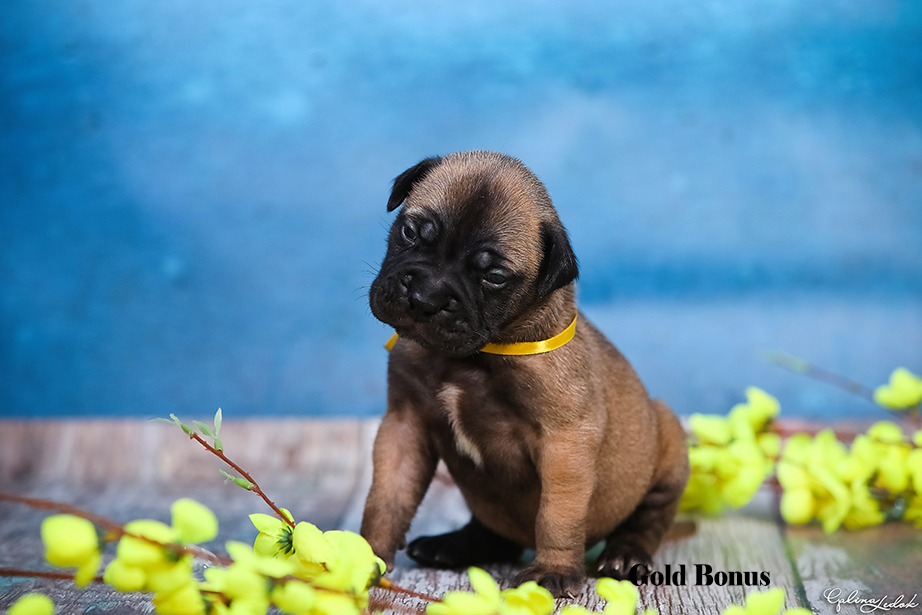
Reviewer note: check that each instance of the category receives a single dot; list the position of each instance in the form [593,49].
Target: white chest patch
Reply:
[450,396]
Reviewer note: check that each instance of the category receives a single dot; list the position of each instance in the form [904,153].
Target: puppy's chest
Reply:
[481,430]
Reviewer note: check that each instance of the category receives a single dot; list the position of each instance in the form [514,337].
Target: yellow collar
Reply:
[520,348]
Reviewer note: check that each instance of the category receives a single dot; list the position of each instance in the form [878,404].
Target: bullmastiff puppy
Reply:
[554,447]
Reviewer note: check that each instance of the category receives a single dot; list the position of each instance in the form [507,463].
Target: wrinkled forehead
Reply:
[477,206]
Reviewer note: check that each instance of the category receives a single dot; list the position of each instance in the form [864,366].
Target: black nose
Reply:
[428,299]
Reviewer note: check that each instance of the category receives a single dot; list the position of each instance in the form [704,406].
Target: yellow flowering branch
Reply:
[274,539]
[878,477]
[293,566]
[114,531]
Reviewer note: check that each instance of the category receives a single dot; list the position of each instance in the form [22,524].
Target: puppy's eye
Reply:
[408,233]
[494,278]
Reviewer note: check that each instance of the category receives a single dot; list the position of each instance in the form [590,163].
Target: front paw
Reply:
[436,551]
[617,560]
[564,583]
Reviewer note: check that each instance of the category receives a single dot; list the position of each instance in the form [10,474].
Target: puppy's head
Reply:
[476,244]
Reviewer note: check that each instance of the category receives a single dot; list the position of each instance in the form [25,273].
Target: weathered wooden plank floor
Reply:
[321,471]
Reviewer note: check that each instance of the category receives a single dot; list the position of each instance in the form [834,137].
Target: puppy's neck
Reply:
[544,320]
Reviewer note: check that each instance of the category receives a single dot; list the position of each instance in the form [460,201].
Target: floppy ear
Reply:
[559,266]
[403,183]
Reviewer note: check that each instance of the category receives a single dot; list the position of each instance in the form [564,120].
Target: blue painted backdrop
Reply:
[193,191]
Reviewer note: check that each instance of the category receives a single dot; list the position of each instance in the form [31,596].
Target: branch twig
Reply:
[913,415]
[255,486]
[386,584]
[823,375]
[42,574]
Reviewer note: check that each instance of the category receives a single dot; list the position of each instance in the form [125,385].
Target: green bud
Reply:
[218,445]
[217,423]
[241,482]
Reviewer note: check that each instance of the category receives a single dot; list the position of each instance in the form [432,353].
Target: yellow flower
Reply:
[792,476]
[765,603]
[169,576]
[867,449]
[887,432]
[759,603]
[184,600]
[140,565]
[710,428]
[913,512]
[32,604]
[123,577]
[526,599]
[703,457]
[310,544]
[294,597]
[275,536]
[352,565]
[484,584]
[484,601]
[334,604]
[72,541]
[903,391]
[247,589]
[749,470]
[622,596]
[193,522]
[770,443]
[462,603]
[797,505]
[245,558]
[701,493]
[854,468]
[835,504]
[140,553]
[893,470]
[865,510]
[797,448]
[914,465]
[756,412]
[727,464]
[741,488]
[826,450]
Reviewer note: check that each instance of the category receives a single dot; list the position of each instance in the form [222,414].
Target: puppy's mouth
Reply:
[436,322]
[454,341]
